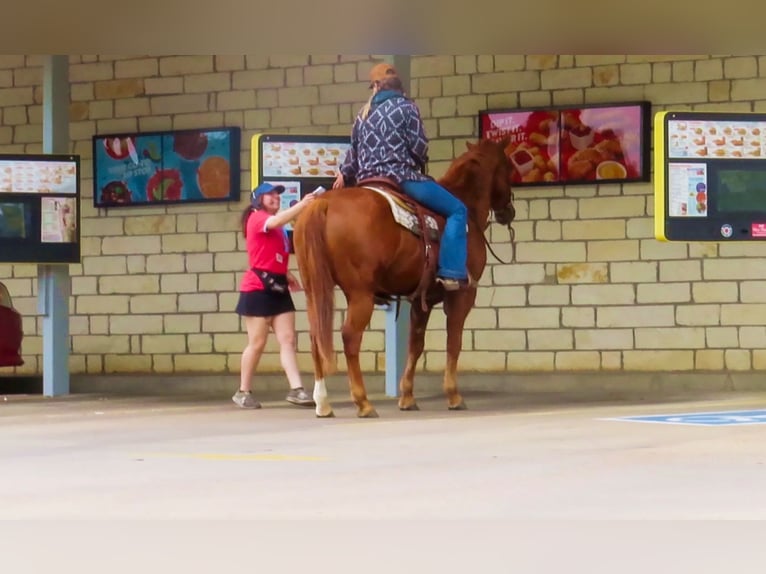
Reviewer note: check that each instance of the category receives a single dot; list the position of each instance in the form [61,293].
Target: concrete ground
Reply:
[511,455]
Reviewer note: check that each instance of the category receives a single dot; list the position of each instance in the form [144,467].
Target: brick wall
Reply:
[592,289]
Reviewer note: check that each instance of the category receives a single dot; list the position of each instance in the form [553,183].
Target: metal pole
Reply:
[397,334]
[53,280]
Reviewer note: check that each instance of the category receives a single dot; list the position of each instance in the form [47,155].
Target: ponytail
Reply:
[387,83]
[245,216]
[366,108]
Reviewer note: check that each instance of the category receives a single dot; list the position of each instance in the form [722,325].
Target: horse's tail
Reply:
[315,268]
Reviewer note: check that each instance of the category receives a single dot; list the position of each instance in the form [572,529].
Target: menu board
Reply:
[567,146]
[709,176]
[152,168]
[716,139]
[303,159]
[39,208]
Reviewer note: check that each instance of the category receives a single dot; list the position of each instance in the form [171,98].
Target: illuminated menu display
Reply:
[39,208]
[716,139]
[20,176]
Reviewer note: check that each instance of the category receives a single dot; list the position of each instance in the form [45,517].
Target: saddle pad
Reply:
[405,216]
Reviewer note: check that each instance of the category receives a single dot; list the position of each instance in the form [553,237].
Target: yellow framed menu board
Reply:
[709,176]
[39,208]
[300,163]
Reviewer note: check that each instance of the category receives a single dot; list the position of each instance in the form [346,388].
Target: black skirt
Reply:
[264,303]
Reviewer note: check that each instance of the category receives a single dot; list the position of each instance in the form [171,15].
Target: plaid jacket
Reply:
[391,142]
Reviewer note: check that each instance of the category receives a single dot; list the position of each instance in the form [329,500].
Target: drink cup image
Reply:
[611,170]
[581,137]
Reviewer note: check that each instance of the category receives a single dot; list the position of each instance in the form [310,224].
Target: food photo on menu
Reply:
[601,143]
[573,145]
[533,143]
[59,220]
[188,165]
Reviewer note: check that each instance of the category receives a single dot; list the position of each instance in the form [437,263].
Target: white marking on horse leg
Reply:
[323,408]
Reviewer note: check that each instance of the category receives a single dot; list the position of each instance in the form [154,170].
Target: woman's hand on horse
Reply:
[338,183]
[292,283]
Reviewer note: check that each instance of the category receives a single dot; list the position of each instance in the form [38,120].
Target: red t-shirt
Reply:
[266,249]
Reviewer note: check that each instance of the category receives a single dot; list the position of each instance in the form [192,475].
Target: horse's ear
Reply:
[470,145]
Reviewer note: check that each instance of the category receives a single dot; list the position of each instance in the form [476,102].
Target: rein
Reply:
[511,230]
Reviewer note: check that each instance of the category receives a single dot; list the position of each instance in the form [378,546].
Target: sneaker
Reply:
[245,400]
[450,284]
[300,397]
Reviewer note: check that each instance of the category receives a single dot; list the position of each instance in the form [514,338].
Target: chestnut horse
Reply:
[349,238]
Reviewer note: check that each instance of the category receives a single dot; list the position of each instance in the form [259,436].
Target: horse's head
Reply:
[494,160]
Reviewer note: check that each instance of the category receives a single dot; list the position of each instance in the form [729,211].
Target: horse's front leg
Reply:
[457,305]
[323,408]
[418,324]
[360,308]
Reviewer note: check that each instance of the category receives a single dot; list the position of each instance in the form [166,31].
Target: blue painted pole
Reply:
[54,284]
[53,301]
[397,334]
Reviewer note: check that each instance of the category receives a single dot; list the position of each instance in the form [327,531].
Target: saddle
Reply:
[422,222]
[408,213]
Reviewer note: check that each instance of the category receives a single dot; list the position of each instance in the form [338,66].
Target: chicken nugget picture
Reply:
[533,176]
[580,169]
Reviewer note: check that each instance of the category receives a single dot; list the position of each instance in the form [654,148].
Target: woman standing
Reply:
[264,300]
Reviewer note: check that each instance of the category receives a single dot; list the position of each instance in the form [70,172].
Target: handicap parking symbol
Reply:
[710,419]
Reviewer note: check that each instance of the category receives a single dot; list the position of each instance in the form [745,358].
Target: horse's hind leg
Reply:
[360,308]
[457,305]
[418,323]
[323,408]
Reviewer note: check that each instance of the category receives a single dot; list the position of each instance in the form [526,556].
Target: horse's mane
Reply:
[464,169]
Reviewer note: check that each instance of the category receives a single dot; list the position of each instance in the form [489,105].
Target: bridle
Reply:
[511,231]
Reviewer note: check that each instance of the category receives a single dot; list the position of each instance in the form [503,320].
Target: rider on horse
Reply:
[388,140]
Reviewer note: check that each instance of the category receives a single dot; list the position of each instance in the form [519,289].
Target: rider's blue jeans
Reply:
[454,250]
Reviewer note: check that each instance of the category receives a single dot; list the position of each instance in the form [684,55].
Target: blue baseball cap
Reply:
[265,188]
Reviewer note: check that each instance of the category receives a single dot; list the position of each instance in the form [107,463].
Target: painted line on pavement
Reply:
[217,456]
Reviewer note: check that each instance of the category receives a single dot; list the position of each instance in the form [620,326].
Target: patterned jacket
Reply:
[391,142]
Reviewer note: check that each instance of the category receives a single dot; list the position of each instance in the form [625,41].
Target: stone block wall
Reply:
[591,288]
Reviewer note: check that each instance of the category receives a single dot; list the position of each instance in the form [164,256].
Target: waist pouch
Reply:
[274,282]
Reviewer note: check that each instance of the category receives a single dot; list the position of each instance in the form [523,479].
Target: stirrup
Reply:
[450,284]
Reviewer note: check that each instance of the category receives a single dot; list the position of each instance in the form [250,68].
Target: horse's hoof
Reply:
[371,414]
[411,407]
[461,406]
[329,415]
